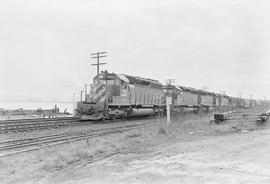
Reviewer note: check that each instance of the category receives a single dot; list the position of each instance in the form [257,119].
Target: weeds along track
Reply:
[12,147]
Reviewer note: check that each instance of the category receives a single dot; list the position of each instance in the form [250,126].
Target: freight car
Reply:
[118,95]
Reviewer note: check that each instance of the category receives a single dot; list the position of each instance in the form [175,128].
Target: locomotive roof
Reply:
[197,91]
[135,80]
[171,87]
[140,80]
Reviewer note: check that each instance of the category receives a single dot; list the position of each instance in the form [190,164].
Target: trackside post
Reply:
[168,103]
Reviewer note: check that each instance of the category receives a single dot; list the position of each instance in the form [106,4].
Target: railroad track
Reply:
[34,119]
[12,147]
[7,126]
[24,125]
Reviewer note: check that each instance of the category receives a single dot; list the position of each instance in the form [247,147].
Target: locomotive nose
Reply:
[90,111]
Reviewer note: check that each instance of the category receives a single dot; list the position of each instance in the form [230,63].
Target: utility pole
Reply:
[240,95]
[251,97]
[205,88]
[98,55]
[170,81]
[85,90]
[81,95]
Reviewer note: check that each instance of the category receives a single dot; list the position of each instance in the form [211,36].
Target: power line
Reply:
[98,55]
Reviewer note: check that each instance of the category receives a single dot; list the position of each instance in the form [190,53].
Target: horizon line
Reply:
[49,101]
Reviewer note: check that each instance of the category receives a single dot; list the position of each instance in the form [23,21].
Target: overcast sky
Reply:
[45,45]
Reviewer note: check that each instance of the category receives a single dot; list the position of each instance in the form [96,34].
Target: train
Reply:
[121,96]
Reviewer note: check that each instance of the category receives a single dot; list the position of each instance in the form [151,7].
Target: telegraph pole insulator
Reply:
[98,55]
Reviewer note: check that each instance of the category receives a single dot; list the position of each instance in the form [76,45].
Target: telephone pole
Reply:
[98,55]
[240,95]
[170,81]
[205,88]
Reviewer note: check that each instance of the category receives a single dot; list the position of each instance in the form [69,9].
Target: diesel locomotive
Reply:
[184,97]
[121,96]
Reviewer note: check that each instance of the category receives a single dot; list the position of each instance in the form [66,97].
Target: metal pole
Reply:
[240,95]
[74,103]
[168,114]
[85,92]
[98,65]
[168,103]
[106,95]
[81,95]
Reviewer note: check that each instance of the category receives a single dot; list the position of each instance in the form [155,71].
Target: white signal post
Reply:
[74,103]
[168,103]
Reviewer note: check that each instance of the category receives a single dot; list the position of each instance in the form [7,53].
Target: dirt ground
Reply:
[192,150]
[240,158]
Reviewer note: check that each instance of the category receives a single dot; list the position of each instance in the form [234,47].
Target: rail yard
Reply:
[55,151]
[134,92]
[22,145]
[124,114]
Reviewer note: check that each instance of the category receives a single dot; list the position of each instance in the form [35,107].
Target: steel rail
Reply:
[48,141]
[34,120]
[14,143]
[21,126]
[40,125]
